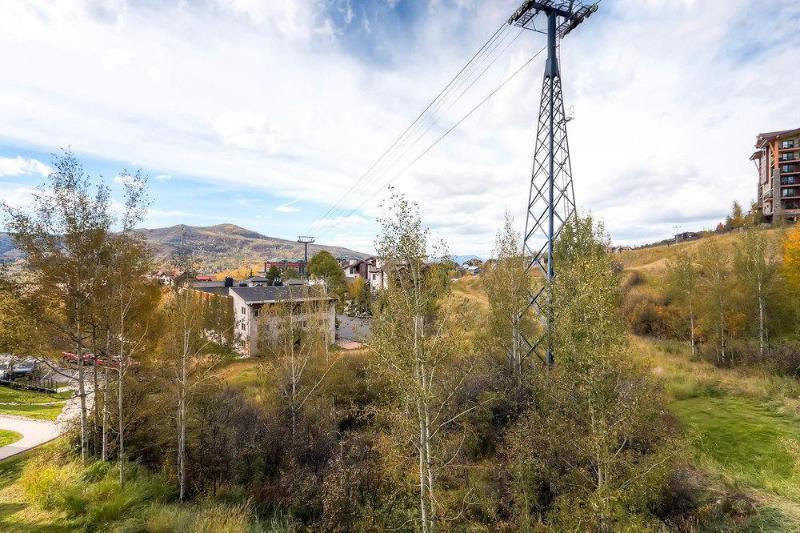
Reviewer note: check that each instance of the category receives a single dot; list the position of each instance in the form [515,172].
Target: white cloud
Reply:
[248,131]
[162,177]
[20,166]
[288,207]
[17,197]
[668,97]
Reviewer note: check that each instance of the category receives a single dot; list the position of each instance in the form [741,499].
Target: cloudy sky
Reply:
[265,113]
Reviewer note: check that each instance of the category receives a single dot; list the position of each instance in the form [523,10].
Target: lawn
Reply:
[8,437]
[31,404]
[746,440]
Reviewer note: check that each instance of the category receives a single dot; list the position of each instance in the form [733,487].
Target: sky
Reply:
[265,113]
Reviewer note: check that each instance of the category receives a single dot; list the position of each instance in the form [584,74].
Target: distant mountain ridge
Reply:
[216,248]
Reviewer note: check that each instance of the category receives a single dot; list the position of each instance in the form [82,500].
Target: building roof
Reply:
[275,294]
[219,291]
[207,284]
[256,279]
[764,138]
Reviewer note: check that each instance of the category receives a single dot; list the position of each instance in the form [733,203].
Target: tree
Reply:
[325,267]
[791,258]
[756,267]
[295,332]
[715,290]
[63,234]
[420,343]
[185,347]
[507,286]
[592,451]
[737,218]
[273,275]
[682,286]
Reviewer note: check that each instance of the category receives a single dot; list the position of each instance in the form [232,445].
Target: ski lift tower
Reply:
[551,201]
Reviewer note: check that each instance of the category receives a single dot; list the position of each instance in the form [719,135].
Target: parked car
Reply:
[5,370]
[25,369]
[69,358]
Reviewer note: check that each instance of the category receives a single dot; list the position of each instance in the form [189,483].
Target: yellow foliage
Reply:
[243,272]
[791,257]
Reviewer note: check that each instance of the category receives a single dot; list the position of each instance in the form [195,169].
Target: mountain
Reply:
[216,248]
[8,252]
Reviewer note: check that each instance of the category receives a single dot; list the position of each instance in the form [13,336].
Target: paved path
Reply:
[34,433]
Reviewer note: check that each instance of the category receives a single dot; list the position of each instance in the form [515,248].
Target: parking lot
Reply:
[353,328]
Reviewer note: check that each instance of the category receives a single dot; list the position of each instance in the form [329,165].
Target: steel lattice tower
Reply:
[551,200]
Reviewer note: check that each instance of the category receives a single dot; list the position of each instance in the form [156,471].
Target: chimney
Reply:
[229,282]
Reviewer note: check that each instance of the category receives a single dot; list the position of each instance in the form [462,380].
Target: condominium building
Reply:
[777,159]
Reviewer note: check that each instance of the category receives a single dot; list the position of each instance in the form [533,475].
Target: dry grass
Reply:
[471,289]
[655,258]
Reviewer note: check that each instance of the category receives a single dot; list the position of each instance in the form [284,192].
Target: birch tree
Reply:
[419,338]
[294,332]
[715,287]
[507,287]
[757,264]
[682,284]
[61,234]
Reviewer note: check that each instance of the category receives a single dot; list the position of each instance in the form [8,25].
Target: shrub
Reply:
[644,314]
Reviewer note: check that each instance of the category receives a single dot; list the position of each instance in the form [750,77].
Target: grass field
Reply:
[8,437]
[36,405]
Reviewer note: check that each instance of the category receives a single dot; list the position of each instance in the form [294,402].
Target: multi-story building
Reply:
[778,161]
[370,268]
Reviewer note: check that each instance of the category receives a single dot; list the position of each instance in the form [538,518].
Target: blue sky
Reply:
[264,113]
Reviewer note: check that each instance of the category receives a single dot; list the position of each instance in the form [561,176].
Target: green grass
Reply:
[8,395]
[36,405]
[34,411]
[746,440]
[8,437]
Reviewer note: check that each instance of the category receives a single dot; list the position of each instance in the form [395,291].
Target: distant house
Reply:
[618,249]
[471,269]
[369,269]
[687,236]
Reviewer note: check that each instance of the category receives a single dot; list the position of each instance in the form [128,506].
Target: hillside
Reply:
[227,246]
[655,258]
[220,247]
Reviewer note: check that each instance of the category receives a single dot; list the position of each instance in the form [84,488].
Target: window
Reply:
[255,312]
[243,311]
[787,144]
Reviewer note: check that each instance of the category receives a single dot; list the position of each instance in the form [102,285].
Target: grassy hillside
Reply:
[655,258]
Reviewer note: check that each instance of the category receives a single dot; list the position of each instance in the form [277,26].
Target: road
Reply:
[34,433]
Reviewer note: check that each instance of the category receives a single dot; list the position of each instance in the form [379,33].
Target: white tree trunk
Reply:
[104,424]
[81,389]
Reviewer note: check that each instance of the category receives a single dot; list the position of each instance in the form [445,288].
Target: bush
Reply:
[644,314]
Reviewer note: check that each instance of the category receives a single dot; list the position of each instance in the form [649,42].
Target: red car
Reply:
[70,358]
